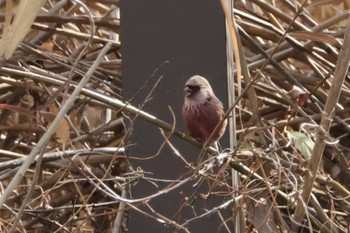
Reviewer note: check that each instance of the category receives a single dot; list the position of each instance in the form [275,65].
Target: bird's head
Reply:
[198,89]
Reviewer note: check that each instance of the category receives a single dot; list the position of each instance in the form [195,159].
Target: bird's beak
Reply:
[187,91]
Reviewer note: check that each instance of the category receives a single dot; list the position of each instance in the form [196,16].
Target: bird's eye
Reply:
[193,87]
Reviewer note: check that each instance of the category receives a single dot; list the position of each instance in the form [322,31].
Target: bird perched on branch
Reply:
[202,111]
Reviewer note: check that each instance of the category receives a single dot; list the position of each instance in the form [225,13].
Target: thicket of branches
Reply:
[62,163]
[60,94]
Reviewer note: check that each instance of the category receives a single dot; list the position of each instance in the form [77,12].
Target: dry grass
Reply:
[293,129]
[58,192]
[62,163]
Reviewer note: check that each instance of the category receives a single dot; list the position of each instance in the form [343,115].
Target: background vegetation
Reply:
[63,166]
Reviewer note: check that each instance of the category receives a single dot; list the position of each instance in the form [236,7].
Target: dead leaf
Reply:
[62,132]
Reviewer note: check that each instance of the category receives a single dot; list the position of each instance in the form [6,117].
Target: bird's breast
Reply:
[201,119]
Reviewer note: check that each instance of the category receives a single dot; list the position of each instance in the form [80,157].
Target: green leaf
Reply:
[302,142]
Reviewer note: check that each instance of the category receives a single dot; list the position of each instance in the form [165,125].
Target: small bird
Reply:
[202,111]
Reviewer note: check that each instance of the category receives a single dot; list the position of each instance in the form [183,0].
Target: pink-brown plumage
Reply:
[202,111]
